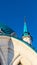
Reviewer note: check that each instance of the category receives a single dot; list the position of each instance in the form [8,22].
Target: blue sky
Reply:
[12,14]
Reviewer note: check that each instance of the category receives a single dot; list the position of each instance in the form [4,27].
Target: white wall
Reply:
[15,50]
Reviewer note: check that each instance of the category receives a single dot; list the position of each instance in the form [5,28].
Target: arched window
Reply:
[10,51]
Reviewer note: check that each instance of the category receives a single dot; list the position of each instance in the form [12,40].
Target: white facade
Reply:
[13,51]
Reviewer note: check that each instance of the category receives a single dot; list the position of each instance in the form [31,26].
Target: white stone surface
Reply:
[15,51]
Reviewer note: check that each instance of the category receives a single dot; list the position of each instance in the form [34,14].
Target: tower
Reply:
[26,35]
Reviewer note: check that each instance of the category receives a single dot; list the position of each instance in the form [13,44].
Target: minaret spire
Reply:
[25,30]
[24,18]
[26,35]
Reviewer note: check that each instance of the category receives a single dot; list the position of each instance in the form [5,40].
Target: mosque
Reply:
[15,51]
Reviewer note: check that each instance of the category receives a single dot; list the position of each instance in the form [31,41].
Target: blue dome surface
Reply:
[5,30]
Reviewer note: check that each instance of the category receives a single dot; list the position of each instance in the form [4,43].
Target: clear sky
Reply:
[12,14]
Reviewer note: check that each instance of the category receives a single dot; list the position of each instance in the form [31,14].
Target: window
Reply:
[10,55]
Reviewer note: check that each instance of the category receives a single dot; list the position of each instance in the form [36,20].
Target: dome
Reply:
[5,30]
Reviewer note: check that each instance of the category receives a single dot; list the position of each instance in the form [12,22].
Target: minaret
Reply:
[26,35]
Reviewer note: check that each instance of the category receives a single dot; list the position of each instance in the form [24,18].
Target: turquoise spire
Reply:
[25,27]
[26,35]
[25,30]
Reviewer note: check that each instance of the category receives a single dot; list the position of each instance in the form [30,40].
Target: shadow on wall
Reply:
[1,61]
[10,51]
